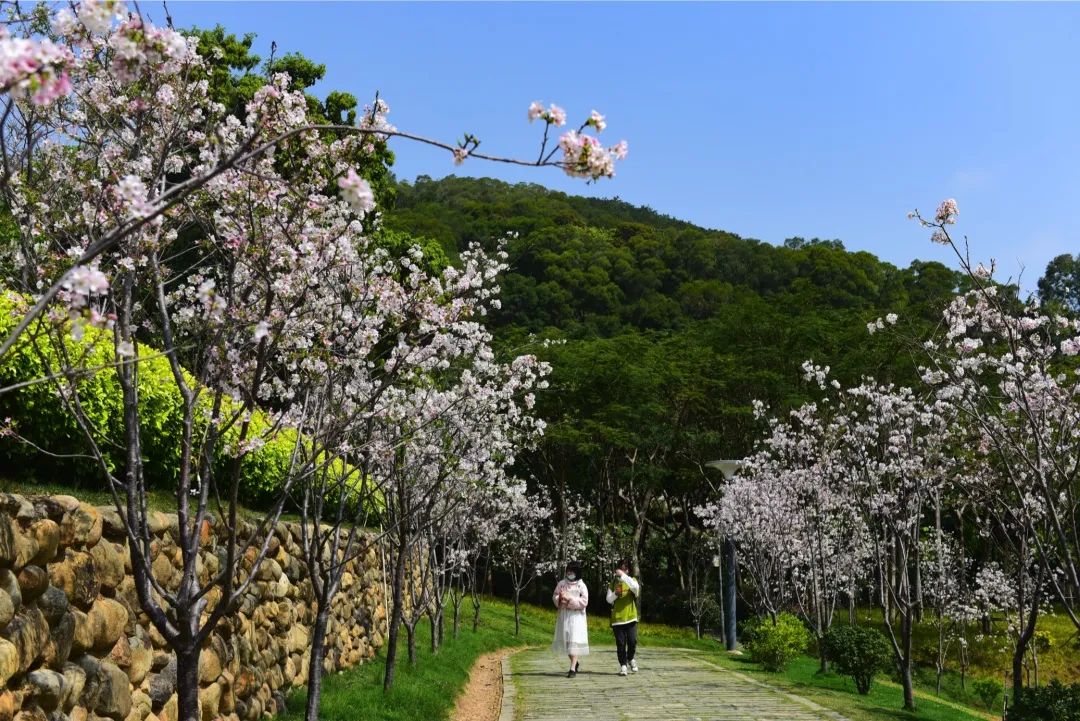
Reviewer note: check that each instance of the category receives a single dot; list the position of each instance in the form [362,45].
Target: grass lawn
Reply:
[428,689]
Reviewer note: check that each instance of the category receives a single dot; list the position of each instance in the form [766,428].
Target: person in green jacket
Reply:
[622,594]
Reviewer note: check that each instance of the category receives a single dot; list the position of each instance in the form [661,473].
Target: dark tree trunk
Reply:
[315,669]
[905,661]
[395,620]
[187,685]
[410,631]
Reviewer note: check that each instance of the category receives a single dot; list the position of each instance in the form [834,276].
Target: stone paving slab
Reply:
[673,685]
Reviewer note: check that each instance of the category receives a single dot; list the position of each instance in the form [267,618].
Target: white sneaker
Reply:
[633,665]
[622,670]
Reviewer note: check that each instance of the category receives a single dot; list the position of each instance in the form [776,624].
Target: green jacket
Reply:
[622,595]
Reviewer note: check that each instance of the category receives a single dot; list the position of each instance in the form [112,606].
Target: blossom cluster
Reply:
[583,155]
[34,70]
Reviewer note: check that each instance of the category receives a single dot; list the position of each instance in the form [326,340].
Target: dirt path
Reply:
[481,700]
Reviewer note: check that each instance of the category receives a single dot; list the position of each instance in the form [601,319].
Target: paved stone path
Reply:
[673,685]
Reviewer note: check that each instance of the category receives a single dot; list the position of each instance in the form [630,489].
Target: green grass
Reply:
[428,689]
[991,654]
[838,693]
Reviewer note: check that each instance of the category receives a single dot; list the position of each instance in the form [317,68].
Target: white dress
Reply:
[572,627]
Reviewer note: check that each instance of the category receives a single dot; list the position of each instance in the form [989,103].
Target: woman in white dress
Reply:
[571,597]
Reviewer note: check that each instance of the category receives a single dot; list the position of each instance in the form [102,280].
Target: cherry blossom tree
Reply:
[790,513]
[1007,368]
[518,548]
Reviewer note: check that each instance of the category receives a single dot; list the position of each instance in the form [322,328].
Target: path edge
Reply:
[509,691]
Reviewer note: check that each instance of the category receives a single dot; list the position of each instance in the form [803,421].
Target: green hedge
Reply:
[1052,702]
[38,415]
[859,652]
[775,644]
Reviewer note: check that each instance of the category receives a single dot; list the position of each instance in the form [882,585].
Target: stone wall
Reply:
[74,644]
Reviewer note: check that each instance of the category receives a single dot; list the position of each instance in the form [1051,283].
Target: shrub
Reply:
[1052,702]
[859,652]
[775,645]
[39,416]
[988,690]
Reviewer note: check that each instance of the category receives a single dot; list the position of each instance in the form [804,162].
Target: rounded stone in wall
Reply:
[54,604]
[77,577]
[48,688]
[81,526]
[33,581]
[7,609]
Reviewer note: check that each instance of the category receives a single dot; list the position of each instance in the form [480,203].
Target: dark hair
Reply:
[623,563]
[574,566]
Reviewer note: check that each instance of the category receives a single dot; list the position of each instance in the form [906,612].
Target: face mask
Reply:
[571,577]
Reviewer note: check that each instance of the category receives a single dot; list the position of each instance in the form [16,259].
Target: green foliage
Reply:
[235,73]
[59,448]
[1060,285]
[859,652]
[775,644]
[988,690]
[1053,702]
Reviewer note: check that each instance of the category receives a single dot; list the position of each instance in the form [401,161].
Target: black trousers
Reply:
[626,641]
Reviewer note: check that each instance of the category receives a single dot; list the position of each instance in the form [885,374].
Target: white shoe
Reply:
[622,670]
[633,665]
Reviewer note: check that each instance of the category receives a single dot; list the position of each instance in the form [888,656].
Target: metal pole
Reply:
[729,595]
[728,469]
[719,563]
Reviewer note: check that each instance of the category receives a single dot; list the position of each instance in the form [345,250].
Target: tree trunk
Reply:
[434,634]
[187,685]
[1017,673]
[909,687]
[907,629]
[410,631]
[315,666]
[517,611]
[823,661]
[395,620]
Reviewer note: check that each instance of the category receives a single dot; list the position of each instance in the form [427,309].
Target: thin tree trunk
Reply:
[517,611]
[905,671]
[315,669]
[410,632]
[395,620]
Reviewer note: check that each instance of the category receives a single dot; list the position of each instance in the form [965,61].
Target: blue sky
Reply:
[768,120]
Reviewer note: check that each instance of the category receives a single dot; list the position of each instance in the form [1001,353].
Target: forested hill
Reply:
[637,293]
[589,267]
